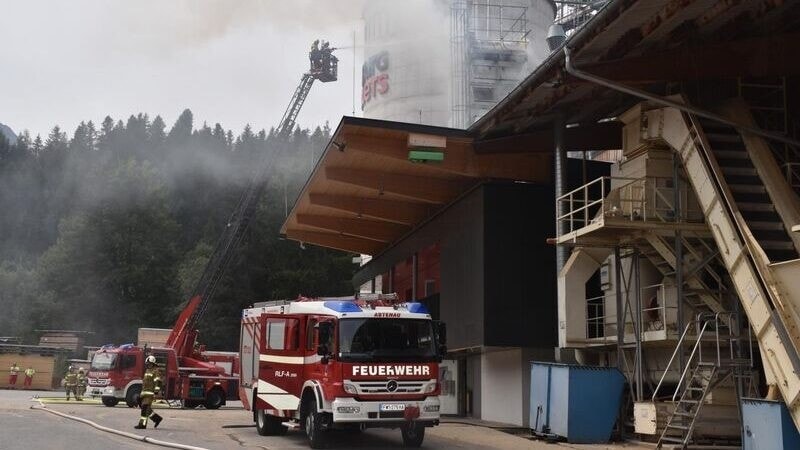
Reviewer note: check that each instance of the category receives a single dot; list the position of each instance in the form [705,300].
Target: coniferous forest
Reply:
[108,228]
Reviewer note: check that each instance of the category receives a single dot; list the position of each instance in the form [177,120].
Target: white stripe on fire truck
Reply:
[281,401]
[281,359]
[268,388]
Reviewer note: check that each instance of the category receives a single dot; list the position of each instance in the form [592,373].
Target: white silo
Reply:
[447,62]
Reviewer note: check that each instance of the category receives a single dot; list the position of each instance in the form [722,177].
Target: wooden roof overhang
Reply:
[365,193]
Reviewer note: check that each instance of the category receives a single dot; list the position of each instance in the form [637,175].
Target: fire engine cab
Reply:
[350,362]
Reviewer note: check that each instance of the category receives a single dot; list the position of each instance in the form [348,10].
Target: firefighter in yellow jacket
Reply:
[151,386]
[71,383]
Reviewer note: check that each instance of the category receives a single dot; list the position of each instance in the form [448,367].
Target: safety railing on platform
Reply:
[656,314]
[634,199]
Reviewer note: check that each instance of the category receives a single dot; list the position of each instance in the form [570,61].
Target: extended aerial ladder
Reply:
[323,67]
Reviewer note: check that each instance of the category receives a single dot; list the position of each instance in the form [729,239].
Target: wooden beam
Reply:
[374,230]
[457,155]
[460,158]
[397,211]
[771,55]
[598,136]
[336,241]
[427,189]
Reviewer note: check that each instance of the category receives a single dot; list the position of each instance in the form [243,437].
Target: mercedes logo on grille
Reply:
[391,386]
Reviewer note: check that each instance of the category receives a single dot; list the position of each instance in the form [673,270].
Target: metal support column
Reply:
[620,311]
[560,163]
[637,321]
[676,208]
[620,333]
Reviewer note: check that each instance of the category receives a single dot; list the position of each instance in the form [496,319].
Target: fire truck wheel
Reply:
[313,425]
[413,434]
[132,396]
[110,401]
[214,399]
[266,425]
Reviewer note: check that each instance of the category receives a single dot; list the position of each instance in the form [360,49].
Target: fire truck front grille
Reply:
[381,387]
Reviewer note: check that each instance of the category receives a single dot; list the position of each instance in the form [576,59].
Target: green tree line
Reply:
[109,229]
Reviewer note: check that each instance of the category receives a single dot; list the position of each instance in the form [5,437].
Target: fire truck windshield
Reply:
[103,361]
[386,340]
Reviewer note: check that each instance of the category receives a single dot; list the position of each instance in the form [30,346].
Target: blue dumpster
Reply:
[578,403]
[768,426]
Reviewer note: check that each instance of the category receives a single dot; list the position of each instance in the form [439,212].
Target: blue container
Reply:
[579,403]
[768,426]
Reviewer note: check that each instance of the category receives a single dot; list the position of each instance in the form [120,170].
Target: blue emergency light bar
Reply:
[417,308]
[342,306]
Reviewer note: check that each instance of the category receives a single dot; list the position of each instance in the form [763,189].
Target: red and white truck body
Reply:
[209,378]
[341,363]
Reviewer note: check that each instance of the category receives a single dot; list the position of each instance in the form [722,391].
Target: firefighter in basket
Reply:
[151,387]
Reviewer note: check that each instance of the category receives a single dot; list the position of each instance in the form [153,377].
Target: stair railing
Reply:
[671,359]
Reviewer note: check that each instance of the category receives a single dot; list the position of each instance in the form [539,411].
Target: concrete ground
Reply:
[27,426]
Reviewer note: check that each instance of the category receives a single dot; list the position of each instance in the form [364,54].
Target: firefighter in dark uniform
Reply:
[71,383]
[151,386]
[81,384]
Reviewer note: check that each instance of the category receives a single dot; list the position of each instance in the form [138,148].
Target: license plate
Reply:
[393,407]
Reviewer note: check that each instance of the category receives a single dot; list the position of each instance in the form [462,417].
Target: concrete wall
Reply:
[473,385]
[502,386]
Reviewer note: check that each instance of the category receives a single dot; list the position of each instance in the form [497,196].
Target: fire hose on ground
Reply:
[133,436]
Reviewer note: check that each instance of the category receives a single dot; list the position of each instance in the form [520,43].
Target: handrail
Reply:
[691,357]
[638,199]
[671,359]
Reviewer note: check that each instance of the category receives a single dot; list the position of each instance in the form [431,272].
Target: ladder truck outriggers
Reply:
[193,375]
[341,363]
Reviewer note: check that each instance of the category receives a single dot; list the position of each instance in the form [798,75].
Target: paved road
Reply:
[227,428]
[23,427]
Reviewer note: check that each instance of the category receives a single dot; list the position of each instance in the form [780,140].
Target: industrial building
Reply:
[677,264]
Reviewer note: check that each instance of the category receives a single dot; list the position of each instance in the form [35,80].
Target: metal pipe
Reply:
[669,103]
[560,163]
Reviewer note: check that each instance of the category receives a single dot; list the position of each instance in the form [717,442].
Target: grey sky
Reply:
[229,61]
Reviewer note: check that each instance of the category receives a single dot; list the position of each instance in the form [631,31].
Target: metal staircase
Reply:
[749,192]
[728,358]
[704,289]
[721,185]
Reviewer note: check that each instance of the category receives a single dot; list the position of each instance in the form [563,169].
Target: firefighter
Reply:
[12,375]
[151,387]
[314,56]
[29,373]
[81,384]
[71,383]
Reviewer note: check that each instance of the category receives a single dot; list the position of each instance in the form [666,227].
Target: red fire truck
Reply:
[357,362]
[192,375]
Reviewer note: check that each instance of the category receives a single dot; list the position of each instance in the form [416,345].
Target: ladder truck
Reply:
[192,375]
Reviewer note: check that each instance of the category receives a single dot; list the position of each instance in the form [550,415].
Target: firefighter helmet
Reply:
[150,360]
